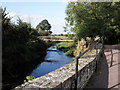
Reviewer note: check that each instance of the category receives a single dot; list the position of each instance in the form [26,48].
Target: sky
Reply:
[35,12]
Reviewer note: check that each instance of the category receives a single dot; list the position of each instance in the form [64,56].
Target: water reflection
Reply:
[53,60]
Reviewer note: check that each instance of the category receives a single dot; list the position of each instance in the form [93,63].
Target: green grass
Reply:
[67,47]
[62,37]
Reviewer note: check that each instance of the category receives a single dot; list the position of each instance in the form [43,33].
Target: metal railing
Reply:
[91,64]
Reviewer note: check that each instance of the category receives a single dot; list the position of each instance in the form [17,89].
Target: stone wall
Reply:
[64,77]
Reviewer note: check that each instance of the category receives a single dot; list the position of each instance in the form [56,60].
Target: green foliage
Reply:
[70,53]
[91,19]
[67,47]
[29,78]
[20,40]
[49,44]
[42,26]
[20,47]
[62,46]
[44,33]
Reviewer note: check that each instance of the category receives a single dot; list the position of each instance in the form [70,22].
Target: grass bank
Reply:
[67,47]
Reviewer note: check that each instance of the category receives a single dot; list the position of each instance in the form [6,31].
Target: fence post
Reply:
[102,45]
[111,58]
[76,69]
[76,73]
[102,42]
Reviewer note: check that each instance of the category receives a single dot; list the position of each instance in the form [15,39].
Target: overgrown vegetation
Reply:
[28,78]
[74,49]
[49,44]
[67,47]
[21,51]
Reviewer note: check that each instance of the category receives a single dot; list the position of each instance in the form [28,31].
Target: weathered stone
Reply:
[64,77]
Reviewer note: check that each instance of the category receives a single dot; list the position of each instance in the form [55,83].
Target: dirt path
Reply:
[108,73]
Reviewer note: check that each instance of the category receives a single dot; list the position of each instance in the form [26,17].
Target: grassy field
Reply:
[62,37]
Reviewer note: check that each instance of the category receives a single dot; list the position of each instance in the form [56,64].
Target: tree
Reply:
[91,19]
[20,46]
[44,25]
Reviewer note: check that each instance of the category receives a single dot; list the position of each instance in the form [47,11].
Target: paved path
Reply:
[108,73]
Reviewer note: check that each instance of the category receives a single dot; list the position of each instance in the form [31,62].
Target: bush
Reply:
[29,78]
[67,47]
[70,53]
[49,44]
[20,52]
[43,33]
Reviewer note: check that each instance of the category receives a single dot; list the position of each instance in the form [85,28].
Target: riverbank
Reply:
[67,47]
[17,74]
[17,67]
[21,50]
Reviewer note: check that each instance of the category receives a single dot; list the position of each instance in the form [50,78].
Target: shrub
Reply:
[21,49]
[29,78]
[67,47]
[80,47]
[49,44]
[70,53]
[43,33]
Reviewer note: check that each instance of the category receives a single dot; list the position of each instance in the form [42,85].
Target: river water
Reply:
[53,60]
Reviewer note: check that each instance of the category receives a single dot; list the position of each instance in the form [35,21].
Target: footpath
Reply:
[108,72]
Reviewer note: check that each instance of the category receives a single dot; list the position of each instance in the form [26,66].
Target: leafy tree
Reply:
[91,19]
[44,25]
[20,46]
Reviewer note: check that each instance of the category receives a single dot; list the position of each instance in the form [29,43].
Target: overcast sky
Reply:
[35,12]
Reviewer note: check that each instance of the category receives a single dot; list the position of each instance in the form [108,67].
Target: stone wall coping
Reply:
[55,78]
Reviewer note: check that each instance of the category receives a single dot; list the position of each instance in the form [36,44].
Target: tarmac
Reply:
[108,72]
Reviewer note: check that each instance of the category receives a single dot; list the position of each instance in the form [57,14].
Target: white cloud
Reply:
[67,1]
[31,0]
[58,28]
[24,16]
[57,23]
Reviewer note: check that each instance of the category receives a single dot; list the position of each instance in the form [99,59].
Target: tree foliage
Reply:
[20,48]
[43,26]
[91,19]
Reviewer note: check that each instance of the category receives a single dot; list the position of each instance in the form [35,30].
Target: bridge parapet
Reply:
[55,40]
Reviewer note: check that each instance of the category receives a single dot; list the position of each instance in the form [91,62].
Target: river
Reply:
[53,60]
